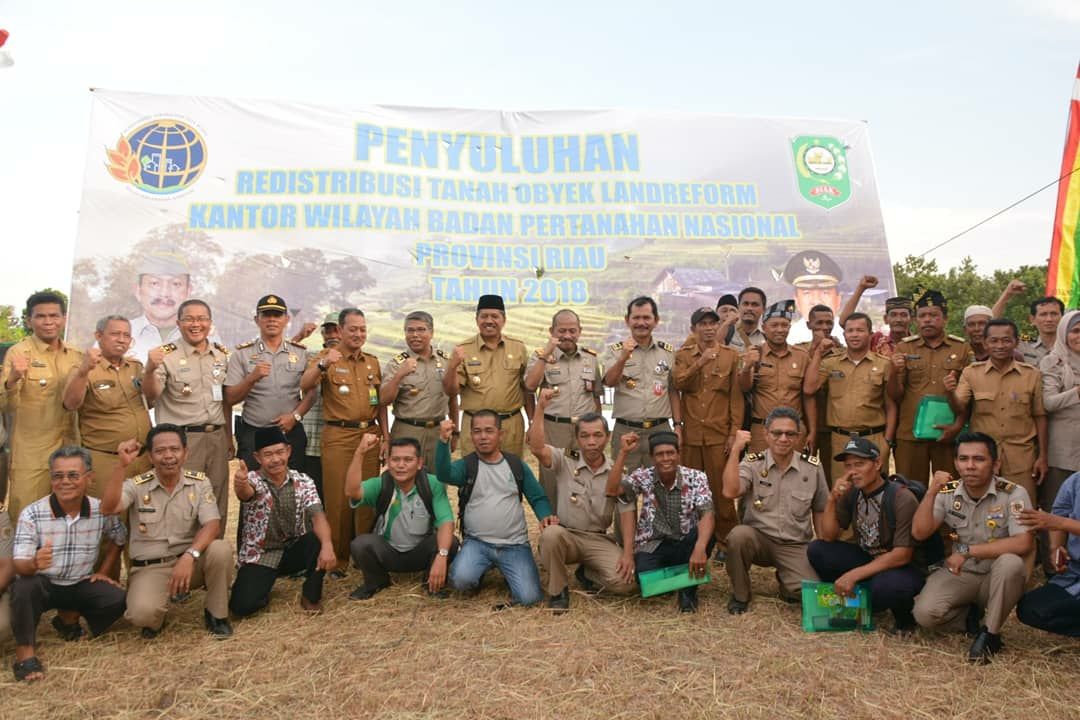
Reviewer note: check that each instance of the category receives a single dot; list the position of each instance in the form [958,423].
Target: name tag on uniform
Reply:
[836,374]
[216,393]
[956,514]
[104,385]
[343,371]
[147,509]
[473,362]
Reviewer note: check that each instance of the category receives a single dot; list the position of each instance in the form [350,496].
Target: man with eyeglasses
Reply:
[185,382]
[264,374]
[413,383]
[784,495]
[56,546]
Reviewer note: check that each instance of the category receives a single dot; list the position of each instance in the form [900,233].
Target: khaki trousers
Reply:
[560,546]
[944,600]
[26,486]
[640,457]
[558,435]
[711,459]
[209,453]
[338,446]
[427,437]
[914,458]
[148,587]
[748,546]
[104,465]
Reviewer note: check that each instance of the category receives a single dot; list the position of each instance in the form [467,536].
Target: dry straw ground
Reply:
[404,655]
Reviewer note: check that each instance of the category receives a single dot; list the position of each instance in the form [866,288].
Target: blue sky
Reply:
[966,101]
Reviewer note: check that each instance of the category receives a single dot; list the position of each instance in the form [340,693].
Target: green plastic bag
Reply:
[825,611]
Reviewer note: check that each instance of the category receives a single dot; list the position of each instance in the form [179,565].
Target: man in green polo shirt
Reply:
[405,538]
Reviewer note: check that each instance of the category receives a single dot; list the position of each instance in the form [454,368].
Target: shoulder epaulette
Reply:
[1024,337]
[441,354]
[145,477]
[1005,485]
[949,487]
[753,457]
[221,348]
[977,363]
[247,344]
[572,453]
[957,338]
[910,338]
[666,346]
[812,459]
[295,344]
[168,348]
[196,475]
[616,346]
[1026,364]
[401,357]
[588,350]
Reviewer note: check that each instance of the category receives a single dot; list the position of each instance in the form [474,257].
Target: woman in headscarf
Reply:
[1061,396]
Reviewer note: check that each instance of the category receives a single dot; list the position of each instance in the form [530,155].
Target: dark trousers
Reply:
[99,602]
[245,445]
[251,591]
[1050,608]
[668,553]
[313,469]
[893,589]
[376,558]
[1048,492]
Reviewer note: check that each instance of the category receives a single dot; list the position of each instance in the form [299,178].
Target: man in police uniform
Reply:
[855,379]
[349,380]
[489,373]
[782,491]
[35,369]
[184,381]
[773,374]
[106,391]
[1004,399]
[585,511]
[985,571]
[573,374]
[640,370]
[815,277]
[264,374]
[173,542]
[920,364]
[413,382]
[712,405]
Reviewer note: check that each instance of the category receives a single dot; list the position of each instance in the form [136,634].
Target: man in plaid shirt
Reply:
[57,540]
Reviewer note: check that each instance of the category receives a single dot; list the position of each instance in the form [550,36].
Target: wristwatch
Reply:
[443,552]
[298,417]
[963,549]
[193,552]
[320,366]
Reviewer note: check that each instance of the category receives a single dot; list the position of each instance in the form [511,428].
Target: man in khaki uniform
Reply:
[821,322]
[985,571]
[349,380]
[413,382]
[105,390]
[641,371]
[855,379]
[585,512]
[712,405]
[488,371]
[573,374]
[784,496]
[751,306]
[773,374]
[1008,406]
[920,364]
[264,374]
[174,524]
[35,369]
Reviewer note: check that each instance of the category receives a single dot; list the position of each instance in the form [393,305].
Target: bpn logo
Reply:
[161,157]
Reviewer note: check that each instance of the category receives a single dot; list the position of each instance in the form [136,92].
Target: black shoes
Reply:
[688,601]
[560,603]
[737,607]
[363,592]
[973,621]
[67,632]
[583,580]
[218,627]
[986,645]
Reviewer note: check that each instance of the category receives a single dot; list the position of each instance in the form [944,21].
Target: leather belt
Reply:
[858,433]
[565,420]
[351,425]
[419,423]
[502,416]
[643,424]
[207,428]
[155,561]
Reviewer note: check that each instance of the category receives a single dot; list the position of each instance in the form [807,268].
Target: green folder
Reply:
[825,611]
[663,580]
[933,410]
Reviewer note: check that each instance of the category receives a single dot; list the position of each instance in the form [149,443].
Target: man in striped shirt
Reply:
[57,540]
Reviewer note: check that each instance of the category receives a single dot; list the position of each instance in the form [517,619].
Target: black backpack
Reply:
[386,495]
[472,467]
[932,549]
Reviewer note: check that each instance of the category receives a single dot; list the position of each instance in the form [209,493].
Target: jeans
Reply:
[893,589]
[515,562]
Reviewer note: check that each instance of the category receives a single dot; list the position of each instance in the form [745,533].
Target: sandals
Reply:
[67,632]
[27,667]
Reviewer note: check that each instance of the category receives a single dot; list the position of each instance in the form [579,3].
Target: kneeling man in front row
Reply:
[985,571]
[783,499]
[283,527]
[585,512]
